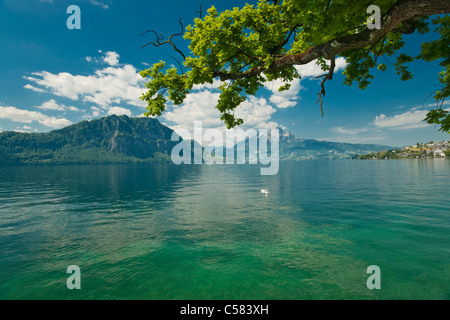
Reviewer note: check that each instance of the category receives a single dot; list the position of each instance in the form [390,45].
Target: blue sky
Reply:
[51,77]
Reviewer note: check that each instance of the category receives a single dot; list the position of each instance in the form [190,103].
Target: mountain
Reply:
[120,139]
[292,148]
[113,139]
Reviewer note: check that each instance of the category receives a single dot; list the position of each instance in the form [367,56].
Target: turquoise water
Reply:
[206,232]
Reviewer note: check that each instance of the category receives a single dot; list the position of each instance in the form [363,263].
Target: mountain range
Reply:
[113,139]
[120,139]
[292,148]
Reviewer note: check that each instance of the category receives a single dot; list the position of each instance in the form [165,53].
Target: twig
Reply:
[200,11]
[160,37]
[326,77]
[179,64]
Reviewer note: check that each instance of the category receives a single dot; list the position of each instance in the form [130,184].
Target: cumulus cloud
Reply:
[111,58]
[106,87]
[51,105]
[407,120]
[116,84]
[378,129]
[256,113]
[200,104]
[95,113]
[29,86]
[284,99]
[312,69]
[290,98]
[25,116]
[411,119]
[118,111]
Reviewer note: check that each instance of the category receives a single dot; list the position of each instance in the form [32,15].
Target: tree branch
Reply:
[160,37]
[402,11]
[326,77]
[200,11]
[179,64]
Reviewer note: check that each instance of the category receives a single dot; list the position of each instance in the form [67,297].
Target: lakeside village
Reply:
[429,150]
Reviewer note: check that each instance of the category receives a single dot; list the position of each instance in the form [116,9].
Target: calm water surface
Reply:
[206,232]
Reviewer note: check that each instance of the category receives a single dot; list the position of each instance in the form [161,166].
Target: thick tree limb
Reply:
[402,11]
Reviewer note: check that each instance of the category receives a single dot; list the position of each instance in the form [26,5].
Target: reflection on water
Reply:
[206,232]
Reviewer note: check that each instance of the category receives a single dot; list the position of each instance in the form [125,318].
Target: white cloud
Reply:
[290,98]
[378,138]
[111,58]
[407,120]
[412,119]
[108,86]
[256,113]
[29,86]
[100,4]
[118,84]
[25,116]
[312,69]
[54,122]
[348,131]
[368,134]
[208,86]
[284,99]
[118,111]
[200,104]
[19,115]
[96,112]
[51,105]
[72,108]
[378,130]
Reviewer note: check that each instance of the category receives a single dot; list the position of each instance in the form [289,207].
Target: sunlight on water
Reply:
[207,232]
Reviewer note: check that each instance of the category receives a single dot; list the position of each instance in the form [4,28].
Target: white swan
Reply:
[265,191]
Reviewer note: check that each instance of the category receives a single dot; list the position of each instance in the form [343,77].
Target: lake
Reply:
[162,231]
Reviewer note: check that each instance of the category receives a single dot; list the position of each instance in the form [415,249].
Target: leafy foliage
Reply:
[378,155]
[245,47]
